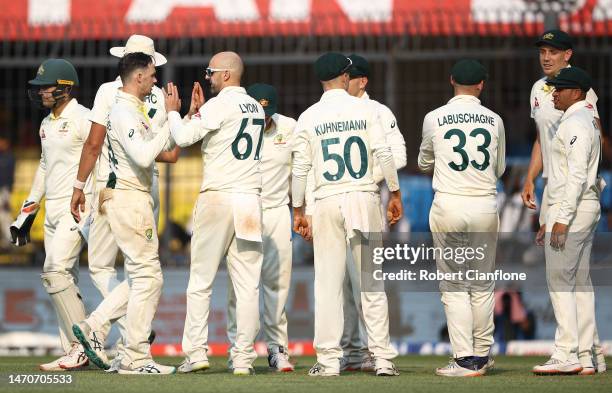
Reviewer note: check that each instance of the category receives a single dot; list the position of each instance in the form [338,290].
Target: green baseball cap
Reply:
[555,38]
[266,96]
[571,78]
[468,72]
[360,66]
[56,72]
[331,65]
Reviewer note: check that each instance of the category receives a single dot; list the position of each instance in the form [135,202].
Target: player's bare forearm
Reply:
[91,151]
[534,169]
[169,157]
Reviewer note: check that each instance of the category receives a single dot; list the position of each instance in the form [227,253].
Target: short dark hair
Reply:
[131,62]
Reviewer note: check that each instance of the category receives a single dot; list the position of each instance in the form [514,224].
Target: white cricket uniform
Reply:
[276,223]
[62,139]
[547,120]
[102,251]
[127,205]
[354,336]
[227,216]
[464,144]
[573,197]
[336,137]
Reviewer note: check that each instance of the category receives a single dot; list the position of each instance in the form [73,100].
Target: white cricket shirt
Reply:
[230,126]
[393,135]
[464,143]
[337,136]
[547,118]
[133,144]
[276,161]
[575,155]
[62,140]
[105,98]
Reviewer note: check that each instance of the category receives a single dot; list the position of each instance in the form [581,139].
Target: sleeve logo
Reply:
[573,140]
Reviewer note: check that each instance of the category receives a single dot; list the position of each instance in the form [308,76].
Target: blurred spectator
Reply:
[512,320]
[7,177]
[514,216]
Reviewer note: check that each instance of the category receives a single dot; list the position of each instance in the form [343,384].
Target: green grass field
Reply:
[511,374]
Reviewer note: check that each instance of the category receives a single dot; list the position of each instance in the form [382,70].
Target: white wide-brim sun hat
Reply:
[139,43]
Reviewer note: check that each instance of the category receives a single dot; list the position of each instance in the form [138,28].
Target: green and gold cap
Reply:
[331,65]
[571,78]
[555,38]
[266,96]
[55,72]
[468,72]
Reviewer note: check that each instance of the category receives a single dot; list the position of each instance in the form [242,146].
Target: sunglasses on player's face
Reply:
[210,71]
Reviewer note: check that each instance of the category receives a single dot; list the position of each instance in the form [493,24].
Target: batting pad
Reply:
[66,300]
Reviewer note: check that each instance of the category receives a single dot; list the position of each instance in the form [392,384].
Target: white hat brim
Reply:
[119,51]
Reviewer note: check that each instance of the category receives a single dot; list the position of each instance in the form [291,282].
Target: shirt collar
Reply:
[573,108]
[365,96]
[229,89]
[129,97]
[333,93]
[464,97]
[68,109]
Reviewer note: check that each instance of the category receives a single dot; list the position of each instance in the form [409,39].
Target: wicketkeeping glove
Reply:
[20,228]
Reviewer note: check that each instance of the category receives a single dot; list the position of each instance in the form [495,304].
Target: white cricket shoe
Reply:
[600,359]
[368,364]
[318,370]
[489,366]
[152,368]
[93,344]
[190,367]
[278,359]
[114,365]
[76,358]
[385,368]
[243,371]
[452,369]
[54,365]
[557,367]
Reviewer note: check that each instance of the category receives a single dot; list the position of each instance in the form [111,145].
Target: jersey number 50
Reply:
[462,166]
[344,161]
[249,140]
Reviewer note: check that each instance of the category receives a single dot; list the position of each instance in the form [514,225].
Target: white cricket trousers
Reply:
[63,245]
[569,282]
[214,239]
[275,279]
[466,221]
[102,254]
[329,237]
[132,223]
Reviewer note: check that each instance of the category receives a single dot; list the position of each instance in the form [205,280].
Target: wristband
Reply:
[79,184]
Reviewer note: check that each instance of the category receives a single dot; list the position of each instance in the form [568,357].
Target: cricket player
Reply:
[102,251]
[227,216]
[337,137]
[464,145]
[276,227]
[127,205]
[356,356]
[62,134]
[573,192]
[556,50]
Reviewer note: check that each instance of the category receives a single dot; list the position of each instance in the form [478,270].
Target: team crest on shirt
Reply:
[149,234]
[64,127]
[42,133]
[547,88]
[536,103]
[279,139]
